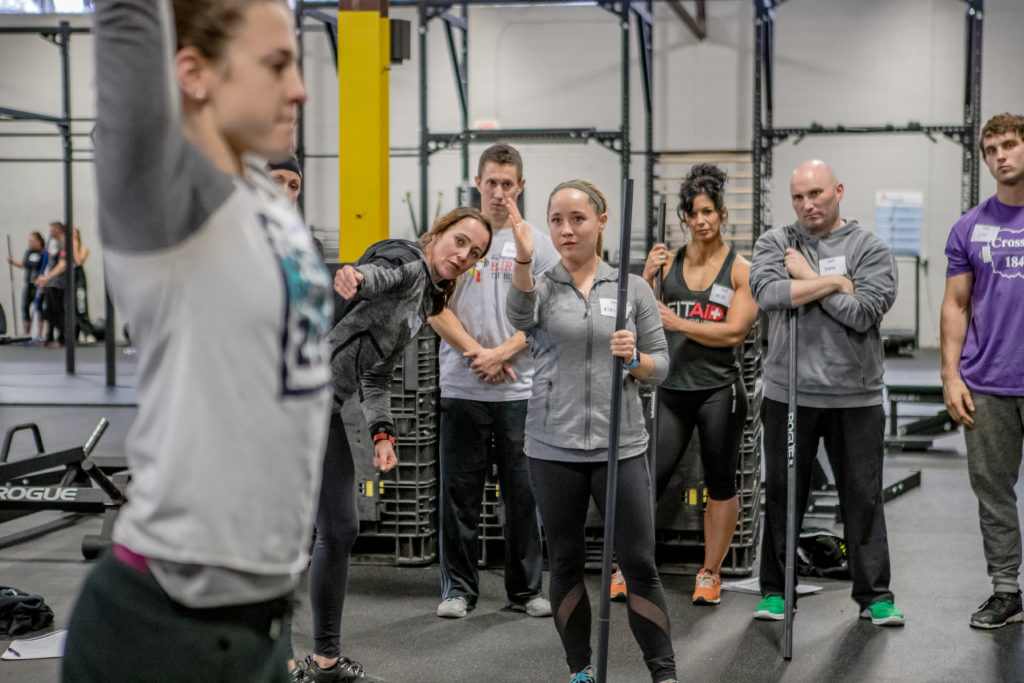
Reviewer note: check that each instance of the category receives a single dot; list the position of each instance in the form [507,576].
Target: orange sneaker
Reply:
[708,590]
[618,591]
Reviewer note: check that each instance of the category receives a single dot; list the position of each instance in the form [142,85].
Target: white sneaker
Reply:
[455,608]
[536,607]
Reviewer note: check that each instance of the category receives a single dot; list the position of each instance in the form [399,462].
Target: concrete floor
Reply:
[938,578]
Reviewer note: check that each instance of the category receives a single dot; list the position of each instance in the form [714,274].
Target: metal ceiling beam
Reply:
[698,24]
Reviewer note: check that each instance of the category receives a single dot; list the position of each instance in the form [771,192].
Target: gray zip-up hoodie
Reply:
[839,349]
[569,339]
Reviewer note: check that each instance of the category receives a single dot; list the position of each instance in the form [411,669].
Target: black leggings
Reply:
[718,415]
[337,525]
[563,491]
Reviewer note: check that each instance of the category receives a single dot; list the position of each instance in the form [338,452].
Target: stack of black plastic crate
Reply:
[398,509]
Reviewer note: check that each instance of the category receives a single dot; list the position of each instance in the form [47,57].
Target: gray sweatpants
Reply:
[993,462]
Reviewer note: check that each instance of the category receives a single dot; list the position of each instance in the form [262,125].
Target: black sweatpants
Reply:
[718,415]
[467,429]
[126,611]
[563,491]
[55,313]
[854,442]
[337,526]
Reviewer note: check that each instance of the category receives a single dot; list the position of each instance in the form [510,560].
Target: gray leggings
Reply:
[993,462]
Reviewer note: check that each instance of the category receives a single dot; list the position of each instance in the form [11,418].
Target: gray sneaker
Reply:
[455,608]
[535,607]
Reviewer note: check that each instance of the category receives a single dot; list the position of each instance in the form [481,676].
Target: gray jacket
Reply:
[839,349]
[569,337]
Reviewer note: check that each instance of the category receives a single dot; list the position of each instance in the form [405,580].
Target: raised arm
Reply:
[155,189]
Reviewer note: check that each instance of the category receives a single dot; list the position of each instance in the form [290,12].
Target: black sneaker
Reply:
[298,674]
[999,610]
[342,670]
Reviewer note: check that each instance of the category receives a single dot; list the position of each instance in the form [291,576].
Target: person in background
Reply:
[839,280]
[707,313]
[288,176]
[52,285]
[486,375]
[83,324]
[32,264]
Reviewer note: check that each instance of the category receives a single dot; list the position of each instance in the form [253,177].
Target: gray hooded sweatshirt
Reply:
[569,338]
[839,349]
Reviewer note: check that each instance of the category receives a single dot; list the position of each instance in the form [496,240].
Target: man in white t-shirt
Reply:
[486,379]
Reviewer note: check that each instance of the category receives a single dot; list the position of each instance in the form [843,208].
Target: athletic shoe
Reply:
[999,610]
[535,607]
[588,675]
[342,670]
[883,613]
[298,674]
[618,590]
[771,608]
[453,608]
[708,590]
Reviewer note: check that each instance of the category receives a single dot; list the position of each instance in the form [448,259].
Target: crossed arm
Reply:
[490,364]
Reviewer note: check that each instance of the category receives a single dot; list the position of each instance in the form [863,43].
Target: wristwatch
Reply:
[636,359]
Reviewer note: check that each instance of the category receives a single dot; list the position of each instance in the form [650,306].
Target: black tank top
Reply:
[693,366]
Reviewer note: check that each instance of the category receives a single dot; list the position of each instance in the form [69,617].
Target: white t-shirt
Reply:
[479,304]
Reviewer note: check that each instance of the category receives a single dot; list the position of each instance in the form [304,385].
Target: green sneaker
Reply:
[771,608]
[883,613]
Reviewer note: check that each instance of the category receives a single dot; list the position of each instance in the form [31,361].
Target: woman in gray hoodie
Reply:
[569,319]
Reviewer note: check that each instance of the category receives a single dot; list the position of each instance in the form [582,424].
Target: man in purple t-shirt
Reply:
[982,325]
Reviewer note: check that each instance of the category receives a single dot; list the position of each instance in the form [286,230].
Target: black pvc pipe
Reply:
[613,437]
[109,345]
[790,584]
[70,300]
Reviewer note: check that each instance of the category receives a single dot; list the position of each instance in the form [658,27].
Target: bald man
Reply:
[840,279]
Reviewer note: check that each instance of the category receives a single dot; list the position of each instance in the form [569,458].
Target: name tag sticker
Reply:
[984,233]
[833,266]
[608,308]
[986,253]
[508,250]
[721,295]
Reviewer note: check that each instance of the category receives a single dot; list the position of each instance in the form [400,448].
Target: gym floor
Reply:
[938,577]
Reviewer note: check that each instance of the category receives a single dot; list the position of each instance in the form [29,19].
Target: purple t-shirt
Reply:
[988,241]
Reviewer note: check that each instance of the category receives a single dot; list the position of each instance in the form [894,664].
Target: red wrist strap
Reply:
[382,436]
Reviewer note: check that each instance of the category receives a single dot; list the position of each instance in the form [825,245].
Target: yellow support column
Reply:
[364,57]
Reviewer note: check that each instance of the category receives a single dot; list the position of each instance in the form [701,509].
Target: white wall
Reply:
[837,61]
[32,194]
[866,62]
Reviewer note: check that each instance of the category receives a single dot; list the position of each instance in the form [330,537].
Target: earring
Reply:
[200,94]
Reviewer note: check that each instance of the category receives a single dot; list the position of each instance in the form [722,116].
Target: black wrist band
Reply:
[526,262]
